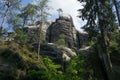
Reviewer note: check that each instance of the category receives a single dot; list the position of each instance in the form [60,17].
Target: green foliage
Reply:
[7,10]
[114,50]
[28,14]
[35,75]
[43,8]
[101,13]
[21,37]
[7,75]
[15,64]
[52,72]
[115,43]
[10,62]
[14,21]
[12,57]
[61,41]
[76,69]
[91,43]
[31,70]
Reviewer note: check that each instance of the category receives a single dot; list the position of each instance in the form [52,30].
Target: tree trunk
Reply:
[40,28]
[104,51]
[39,33]
[3,21]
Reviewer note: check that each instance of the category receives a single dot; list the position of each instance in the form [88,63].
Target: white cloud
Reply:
[68,6]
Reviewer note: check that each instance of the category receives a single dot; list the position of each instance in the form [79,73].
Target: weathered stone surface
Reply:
[82,39]
[52,52]
[67,53]
[33,31]
[51,32]
[57,53]
[63,25]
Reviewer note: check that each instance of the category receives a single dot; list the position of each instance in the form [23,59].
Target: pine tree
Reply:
[100,24]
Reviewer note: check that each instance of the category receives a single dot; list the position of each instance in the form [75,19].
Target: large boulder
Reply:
[57,53]
[62,26]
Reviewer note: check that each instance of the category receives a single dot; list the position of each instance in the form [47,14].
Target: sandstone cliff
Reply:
[62,26]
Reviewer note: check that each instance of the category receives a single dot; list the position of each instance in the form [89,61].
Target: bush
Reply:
[12,57]
[35,75]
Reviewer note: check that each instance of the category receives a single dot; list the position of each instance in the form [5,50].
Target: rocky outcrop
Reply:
[82,39]
[57,53]
[16,62]
[62,26]
[51,51]
[52,32]
[33,31]
[67,53]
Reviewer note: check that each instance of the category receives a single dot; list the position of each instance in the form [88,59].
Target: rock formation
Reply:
[52,32]
[82,39]
[62,26]
[57,53]
[33,31]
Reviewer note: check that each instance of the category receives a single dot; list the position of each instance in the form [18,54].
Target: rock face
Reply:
[52,52]
[57,53]
[82,39]
[52,32]
[62,26]
[33,30]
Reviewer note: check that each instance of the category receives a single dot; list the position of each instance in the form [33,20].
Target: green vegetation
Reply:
[103,30]
[21,37]
[61,41]
[22,64]
[20,61]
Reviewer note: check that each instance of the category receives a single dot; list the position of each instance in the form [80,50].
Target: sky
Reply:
[68,7]
[25,2]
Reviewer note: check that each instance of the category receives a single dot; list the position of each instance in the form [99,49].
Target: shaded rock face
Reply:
[82,39]
[52,52]
[63,25]
[56,53]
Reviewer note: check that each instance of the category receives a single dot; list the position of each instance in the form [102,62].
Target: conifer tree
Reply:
[100,24]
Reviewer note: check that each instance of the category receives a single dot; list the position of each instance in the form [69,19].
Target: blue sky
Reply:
[25,2]
[68,6]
